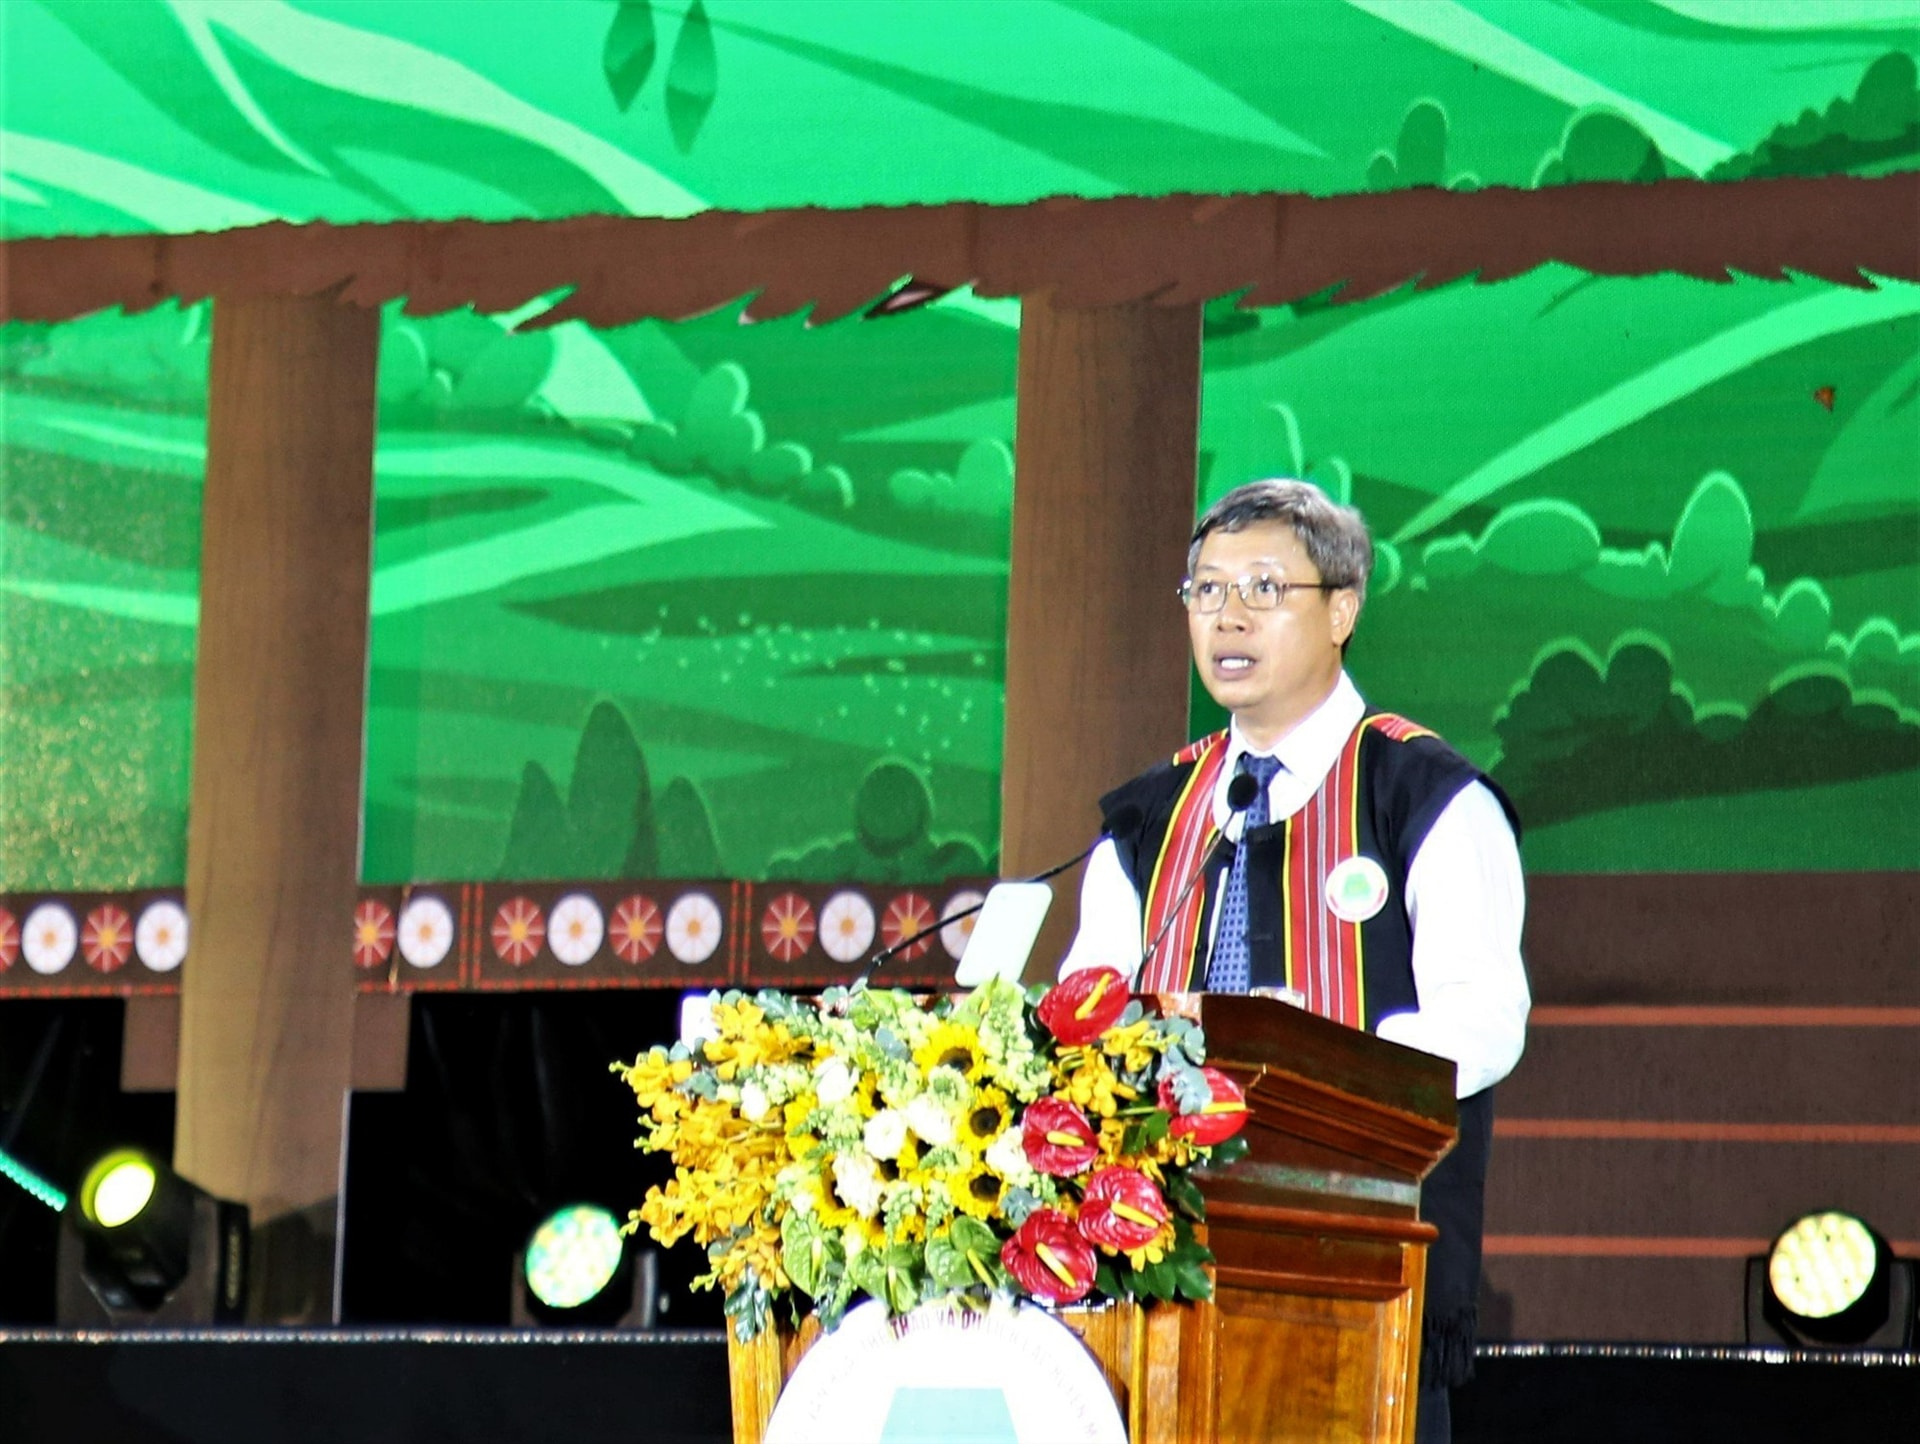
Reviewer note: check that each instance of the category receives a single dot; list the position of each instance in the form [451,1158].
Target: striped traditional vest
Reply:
[1327,885]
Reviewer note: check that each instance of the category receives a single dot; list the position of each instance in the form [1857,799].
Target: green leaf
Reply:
[1229,1150]
[1184,1194]
[693,77]
[628,55]
[812,1256]
[1190,1278]
[947,1263]
[1157,1280]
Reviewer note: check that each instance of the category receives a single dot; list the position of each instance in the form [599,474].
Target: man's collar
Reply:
[1311,748]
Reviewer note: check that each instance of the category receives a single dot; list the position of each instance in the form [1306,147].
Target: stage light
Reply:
[573,1255]
[117,1189]
[139,1244]
[1830,1281]
[577,1271]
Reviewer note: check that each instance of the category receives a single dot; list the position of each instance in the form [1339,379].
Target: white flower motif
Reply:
[48,938]
[954,936]
[856,1178]
[575,929]
[426,931]
[160,937]
[930,1120]
[833,1082]
[1007,1156]
[886,1131]
[846,927]
[693,928]
[754,1102]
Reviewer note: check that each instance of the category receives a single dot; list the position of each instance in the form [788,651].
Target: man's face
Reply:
[1268,668]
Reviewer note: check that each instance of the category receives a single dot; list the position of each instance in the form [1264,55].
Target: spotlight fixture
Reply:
[1831,1282]
[139,1244]
[578,1271]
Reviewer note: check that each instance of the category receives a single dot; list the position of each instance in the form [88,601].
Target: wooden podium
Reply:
[1313,1331]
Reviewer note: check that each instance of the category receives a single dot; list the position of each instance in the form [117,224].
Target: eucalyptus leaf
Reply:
[693,77]
[627,57]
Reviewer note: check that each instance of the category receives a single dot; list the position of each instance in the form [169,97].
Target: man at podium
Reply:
[1343,858]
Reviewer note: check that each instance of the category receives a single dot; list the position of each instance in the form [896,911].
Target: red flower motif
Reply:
[906,915]
[1219,1120]
[1057,1137]
[788,927]
[106,940]
[1123,1209]
[1049,1258]
[518,931]
[9,939]
[1083,1005]
[372,934]
[637,929]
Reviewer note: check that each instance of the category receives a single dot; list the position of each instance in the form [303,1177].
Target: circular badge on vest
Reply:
[1356,889]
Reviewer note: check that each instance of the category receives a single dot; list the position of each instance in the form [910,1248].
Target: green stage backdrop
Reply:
[705,598]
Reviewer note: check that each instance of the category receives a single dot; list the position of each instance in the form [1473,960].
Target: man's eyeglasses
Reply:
[1259,591]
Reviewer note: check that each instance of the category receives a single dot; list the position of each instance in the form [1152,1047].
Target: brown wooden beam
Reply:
[1105,450]
[1171,249]
[273,841]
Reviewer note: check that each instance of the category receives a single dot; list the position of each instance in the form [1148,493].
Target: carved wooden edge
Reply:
[1301,1107]
[1171,250]
[1271,1219]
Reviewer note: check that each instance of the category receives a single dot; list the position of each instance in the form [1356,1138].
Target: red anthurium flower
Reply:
[1219,1120]
[1057,1137]
[1123,1209]
[1083,1005]
[1049,1258]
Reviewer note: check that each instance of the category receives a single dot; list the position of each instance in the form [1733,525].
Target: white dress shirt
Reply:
[1465,901]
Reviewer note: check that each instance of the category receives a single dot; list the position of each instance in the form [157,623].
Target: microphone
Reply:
[1240,794]
[1125,819]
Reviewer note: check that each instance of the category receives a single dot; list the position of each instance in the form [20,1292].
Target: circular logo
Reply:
[576,929]
[788,928]
[160,938]
[846,927]
[1013,1374]
[694,926]
[519,930]
[1356,889]
[48,938]
[637,929]
[373,934]
[955,936]
[426,931]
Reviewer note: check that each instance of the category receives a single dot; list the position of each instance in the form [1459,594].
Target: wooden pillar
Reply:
[1105,448]
[273,841]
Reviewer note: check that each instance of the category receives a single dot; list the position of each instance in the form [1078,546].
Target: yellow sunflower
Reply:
[952,1045]
[976,1191]
[985,1119]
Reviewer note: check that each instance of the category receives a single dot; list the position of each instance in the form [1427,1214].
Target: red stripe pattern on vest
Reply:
[1325,961]
[1190,835]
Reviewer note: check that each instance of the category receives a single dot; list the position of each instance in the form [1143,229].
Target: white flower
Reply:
[853,1240]
[833,1082]
[886,1131]
[753,1102]
[1007,1156]
[930,1120]
[857,1180]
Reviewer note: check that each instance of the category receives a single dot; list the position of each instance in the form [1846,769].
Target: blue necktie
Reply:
[1231,968]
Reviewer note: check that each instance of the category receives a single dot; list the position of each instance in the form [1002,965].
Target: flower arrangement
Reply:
[868,1142]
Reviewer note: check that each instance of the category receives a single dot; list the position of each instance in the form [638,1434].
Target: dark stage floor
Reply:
[425,1386]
